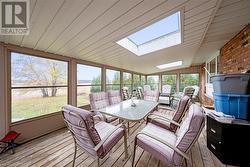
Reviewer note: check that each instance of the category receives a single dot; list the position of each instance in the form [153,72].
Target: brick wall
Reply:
[235,55]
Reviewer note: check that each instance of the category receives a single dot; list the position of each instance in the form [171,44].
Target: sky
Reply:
[158,29]
[85,72]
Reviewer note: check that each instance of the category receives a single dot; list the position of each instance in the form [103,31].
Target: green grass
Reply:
[30,108]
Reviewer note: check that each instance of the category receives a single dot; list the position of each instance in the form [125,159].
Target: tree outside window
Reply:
[188,80]
[112,80]
[170,79]
[153,81]
[39,86]
[88,81]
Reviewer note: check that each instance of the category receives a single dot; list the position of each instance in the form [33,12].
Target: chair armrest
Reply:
[159,117]
[165,143]
[98,118]
[109,133]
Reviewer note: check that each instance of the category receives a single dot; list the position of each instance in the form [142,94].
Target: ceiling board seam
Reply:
[205,10]
[107,52]
[105,25]
[126,23]
[209,23]
[132,21]
[86,7]
[211,19]
[231,4]
[87,25]
[197,6]
[188,32]
[100,49]
[32,12]
[112,54]
[223,20]
[51,21]
[103,53]
[196,20]
[230,22]
[244,7]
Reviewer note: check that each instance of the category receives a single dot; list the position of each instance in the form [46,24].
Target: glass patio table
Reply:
[126,112]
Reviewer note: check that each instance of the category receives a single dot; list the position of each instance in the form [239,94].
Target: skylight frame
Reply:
[156,44]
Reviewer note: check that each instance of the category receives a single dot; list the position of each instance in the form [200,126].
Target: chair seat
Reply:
[153,146]
[110,118]
[163,124]
[103,128]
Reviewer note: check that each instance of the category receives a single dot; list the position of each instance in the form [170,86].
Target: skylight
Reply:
[163,27]
[169,65]
[159,35]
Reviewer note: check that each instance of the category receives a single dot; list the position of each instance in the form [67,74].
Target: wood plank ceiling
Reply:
[88,29]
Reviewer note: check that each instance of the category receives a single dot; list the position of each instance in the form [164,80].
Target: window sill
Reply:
[35,118]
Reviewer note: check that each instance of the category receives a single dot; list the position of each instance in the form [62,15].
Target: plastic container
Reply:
[233,104]
[231,83]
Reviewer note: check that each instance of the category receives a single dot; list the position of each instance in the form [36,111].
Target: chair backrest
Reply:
[98,100]
[189,91]
[146,88]
[80,123]
[140,94]
[125,93]
[182,107]
[189,131]
[114,97]
[196,90]
[151,95]
[166,89]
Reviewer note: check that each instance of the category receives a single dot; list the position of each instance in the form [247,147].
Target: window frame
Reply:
[79,85]
[108,84]
[188,73]
[133,83]
[176,78]
[158,83]
[129,85]
[10,88]
[207,65]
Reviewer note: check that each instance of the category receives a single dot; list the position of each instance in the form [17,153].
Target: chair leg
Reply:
[125,145]
[133,158]
[12,145]
[74,156]
[97,162]
[186,162]
[128,127]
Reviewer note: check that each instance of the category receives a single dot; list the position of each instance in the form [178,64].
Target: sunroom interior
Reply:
[74,49]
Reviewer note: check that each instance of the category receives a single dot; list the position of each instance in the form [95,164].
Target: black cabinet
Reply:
[229,142]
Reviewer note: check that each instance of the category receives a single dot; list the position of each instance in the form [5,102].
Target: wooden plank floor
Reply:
[56,149]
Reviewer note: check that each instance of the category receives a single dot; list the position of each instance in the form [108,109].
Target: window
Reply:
[89,80]
[39,86]
[112,80]
[143,80]
[161,34]
[212,67]
[153,81]
[169,80]
[188,80]
[127,80]
[136,80]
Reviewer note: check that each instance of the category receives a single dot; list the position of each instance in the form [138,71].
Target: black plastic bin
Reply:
[231,83]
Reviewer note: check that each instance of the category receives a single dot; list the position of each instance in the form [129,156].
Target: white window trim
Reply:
[208,85]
